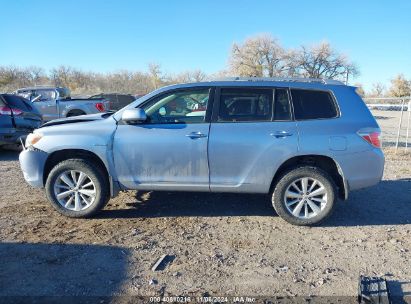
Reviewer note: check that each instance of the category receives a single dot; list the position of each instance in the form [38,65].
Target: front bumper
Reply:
[32,164]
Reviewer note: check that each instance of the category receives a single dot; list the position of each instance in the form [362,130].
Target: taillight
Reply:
[8,111]
[373,137]
[100,106]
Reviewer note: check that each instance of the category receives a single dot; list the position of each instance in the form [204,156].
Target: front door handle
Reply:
[194,135]
[281,134]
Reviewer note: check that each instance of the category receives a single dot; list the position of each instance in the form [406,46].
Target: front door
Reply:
[46,103]
[169,151]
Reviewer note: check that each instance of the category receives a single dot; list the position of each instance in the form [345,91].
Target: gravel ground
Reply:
[220,244]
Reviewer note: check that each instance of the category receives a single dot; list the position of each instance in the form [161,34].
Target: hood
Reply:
[75,119]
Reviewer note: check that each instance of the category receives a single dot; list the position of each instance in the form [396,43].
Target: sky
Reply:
[180,35]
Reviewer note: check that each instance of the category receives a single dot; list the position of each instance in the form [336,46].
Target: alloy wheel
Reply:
[74,190]
[305,197]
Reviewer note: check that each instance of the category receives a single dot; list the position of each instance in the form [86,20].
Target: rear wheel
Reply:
[77,188]
[304,196]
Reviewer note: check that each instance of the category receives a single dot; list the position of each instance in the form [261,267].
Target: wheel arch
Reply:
[324,162]
[75,111]
[61,155]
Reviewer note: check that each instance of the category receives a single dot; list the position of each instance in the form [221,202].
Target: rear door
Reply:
[252,133]
[25,117]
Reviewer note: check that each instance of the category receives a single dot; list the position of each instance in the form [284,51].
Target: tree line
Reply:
[257,56]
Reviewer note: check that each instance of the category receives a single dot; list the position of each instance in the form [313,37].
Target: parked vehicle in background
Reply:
[117,101]
[17,119]
[304,142]
[56,102]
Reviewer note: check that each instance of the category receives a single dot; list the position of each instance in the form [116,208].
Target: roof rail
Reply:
[280,79]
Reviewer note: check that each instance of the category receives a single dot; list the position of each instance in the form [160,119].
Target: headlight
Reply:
[33,138]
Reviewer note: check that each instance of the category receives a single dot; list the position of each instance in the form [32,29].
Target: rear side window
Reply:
[16,102]
[282,105]
[245,105]
[313,104]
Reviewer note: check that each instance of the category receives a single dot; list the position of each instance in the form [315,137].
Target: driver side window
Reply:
[44,95]
[182,106]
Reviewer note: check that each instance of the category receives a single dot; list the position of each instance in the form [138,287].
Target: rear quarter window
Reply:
[310,104]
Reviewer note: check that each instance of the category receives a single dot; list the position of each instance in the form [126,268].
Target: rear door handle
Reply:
[194,135]
[281,134]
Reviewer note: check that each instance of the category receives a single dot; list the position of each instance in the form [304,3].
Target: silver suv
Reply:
[306,142]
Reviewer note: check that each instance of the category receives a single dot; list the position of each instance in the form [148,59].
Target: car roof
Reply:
[263,82]
[39,88]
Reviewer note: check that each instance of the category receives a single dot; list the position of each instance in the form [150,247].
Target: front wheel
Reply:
[77,188]
[304,196]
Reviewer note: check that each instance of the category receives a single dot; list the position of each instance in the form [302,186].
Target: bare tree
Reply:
[188,76]
[322,61]
[36,75]
[400,87]
[378,90]
[154,71]
[61,76]
[258,56]
[12,77]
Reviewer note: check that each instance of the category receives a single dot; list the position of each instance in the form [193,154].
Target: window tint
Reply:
[281,105]
[313,104]
[16,102]
[245,105]
[188,106]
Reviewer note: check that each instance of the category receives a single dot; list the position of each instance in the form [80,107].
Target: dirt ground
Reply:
[220,244]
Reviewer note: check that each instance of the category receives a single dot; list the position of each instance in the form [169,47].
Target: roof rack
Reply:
[281,79]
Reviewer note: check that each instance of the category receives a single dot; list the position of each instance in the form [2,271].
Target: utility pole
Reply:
[399,125]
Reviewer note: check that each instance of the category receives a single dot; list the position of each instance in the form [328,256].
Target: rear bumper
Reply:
[12,137]
[362,169]
[32,164]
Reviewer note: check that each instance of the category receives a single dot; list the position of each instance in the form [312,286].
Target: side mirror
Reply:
[134,115]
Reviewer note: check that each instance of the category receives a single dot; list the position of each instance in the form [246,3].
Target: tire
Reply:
[75,113]
[304,209]
[88,199]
